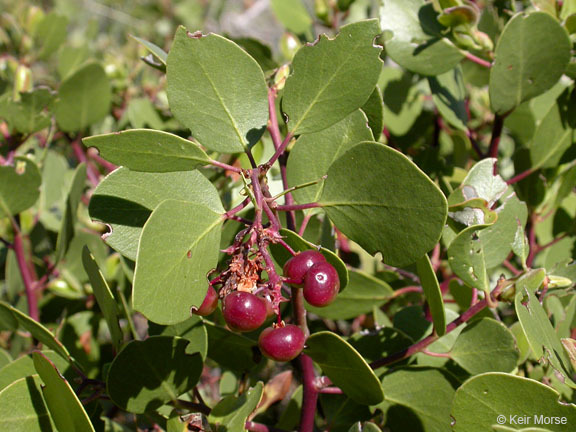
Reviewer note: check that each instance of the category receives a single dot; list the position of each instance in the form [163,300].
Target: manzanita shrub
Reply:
[365,223]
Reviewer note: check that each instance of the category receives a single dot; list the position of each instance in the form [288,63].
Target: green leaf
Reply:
[67,228]
[418,398]
[65,408]
[141,112]
[83,98]
[125,199]
[158,52]
[147,374]
[555,133]
[485,345]
[431,289]
[374,110]
[19,186]
[498,239]
[37,330]
[231,413]
[221,342]
[480,182]
[345,367]
[31,113]
[168,284]
[396,210]
[192,329]
[23,408]
[70,58]
[480,400]
[51,32]
[517,73]
[149,150]
[539,332]
[380,342]
[24,366]
[281,255]
[5,358]
[449,95]
[332,78]
[403,100]
[416,41]
[104,297]
[364,427]
[313,153]
[467,260]
[202,93]
[361,295]
[475,211]
[293,15]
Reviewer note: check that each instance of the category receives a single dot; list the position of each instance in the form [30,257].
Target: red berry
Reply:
[296,267]
[244,311]
[209,304]
[321,284]
[282,343]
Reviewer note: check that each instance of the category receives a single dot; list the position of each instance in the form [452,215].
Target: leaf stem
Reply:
[224,166]
[420,346]
[259,427]
[281,149]
[520,176]
[273,128]
[27,275]
[477,60]
[496,135]
[293,207]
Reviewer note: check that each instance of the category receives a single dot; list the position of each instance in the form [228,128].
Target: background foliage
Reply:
[437,142]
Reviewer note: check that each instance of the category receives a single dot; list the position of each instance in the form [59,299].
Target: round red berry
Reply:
[296,267]
[244,311]
[321,284]
[209,304]
[282,343]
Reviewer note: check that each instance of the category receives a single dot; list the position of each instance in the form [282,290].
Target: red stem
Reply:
[477,60]
[293,207]
[420,346]
[519,177]
[224,166]
[496,134]
[273,128]
[27,276]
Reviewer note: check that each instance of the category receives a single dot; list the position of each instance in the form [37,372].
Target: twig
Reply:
[520,176]
[294,207]
[27,275]
[477,60]
[496,135]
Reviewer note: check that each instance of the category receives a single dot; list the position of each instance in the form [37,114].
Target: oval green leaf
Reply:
[83,98]
[149,150]
[416,40]
[147,374]
[104,297]
[449,95]
[332,78]
[313,153]
[23,408]
[480,400]
[418,396]
[65,408]
[226,112]
[19,186]
[431,289]
[68,225]
[37,330]
[125,199]
[192,329]
[345,367]
[517,73]
[221,342]
[384,202]
[374,110]
[178,247]
[24,366]
[231,413]
[540,333]
[485,345]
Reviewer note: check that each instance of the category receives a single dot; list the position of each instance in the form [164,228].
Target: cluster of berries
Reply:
[244,311]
